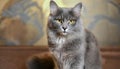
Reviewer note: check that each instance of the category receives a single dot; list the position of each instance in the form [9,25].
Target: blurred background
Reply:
[23,22]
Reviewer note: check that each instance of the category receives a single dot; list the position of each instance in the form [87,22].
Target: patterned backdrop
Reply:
[23,22]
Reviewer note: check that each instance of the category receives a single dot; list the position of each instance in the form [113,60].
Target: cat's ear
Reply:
[77,9]
[53,7]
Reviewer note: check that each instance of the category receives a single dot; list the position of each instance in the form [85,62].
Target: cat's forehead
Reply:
[65,12]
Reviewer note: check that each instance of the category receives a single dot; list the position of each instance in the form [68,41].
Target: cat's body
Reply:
[72,45]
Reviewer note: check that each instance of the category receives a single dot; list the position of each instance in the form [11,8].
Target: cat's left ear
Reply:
[77,9]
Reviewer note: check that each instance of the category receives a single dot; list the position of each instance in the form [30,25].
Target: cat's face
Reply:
[64,21]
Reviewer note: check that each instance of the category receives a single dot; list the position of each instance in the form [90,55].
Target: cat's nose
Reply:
[64,28]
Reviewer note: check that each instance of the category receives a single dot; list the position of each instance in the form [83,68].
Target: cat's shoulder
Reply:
[90,37]
[88,32]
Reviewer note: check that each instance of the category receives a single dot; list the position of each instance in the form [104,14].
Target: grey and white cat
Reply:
[72,45]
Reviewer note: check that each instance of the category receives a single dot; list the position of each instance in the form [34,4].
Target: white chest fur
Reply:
[60,41]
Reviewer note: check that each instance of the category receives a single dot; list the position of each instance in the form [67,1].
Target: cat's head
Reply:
[64,21]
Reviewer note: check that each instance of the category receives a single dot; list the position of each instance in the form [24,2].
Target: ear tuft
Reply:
[77,9]
[53,7]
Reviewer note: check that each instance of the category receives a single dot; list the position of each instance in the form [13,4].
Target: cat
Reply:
[72,45]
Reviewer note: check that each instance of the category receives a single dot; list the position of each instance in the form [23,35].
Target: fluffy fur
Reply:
[72,46]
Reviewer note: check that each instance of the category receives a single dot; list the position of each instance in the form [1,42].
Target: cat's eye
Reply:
[71,21]
[58,20]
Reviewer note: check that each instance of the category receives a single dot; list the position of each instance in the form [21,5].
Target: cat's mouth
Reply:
[63,33]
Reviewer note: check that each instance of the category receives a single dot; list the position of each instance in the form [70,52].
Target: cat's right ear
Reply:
[53,8]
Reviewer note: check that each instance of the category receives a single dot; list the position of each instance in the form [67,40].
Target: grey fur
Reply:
[72,45]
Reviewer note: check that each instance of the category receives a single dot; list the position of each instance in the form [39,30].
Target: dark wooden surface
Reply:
[111,57]
[17,57]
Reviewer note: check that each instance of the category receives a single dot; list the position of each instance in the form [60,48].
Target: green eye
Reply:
[59,20]
[71,21]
